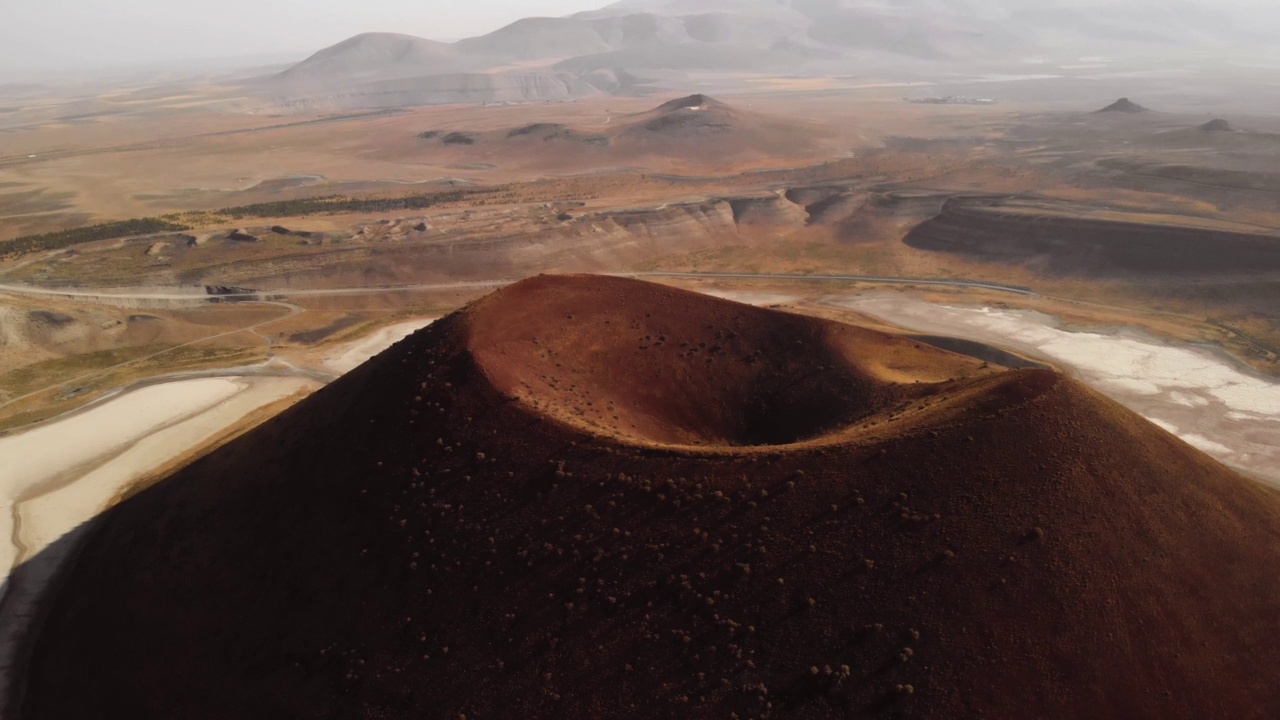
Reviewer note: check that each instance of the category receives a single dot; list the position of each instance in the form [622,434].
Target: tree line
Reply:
[341,204]
[102,231]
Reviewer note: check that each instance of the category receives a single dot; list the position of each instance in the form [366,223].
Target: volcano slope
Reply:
[589,497]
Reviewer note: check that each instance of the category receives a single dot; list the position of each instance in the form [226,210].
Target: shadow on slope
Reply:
[1066,243]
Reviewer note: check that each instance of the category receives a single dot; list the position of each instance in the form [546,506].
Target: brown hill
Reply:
[696,129]
[687,116]
[1217,135]
[555,500]
[377,53]
[701,128]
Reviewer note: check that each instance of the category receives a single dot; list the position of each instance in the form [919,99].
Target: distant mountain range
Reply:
[612,49]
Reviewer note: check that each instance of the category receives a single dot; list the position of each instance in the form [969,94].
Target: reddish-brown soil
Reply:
[539,507]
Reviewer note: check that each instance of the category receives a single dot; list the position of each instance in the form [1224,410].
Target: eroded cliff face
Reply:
[502,243]
[827,204]
[765,210]
[688,219]
[601,241]
[617,239]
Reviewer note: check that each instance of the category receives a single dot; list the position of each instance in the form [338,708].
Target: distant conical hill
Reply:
[1218,125]
[590,497]
[692,116]
[1124,105]
[696,101]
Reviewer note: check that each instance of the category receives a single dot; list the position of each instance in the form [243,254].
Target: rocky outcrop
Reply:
[227,290]
[827,205]
[458,138]
[770,209]
[675,220]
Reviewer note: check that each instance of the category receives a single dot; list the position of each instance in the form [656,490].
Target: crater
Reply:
[651,364]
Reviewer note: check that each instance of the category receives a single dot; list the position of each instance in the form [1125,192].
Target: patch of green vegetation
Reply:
[31,377]
[30,417]
[177,222]
[101,231]
[738,258]
[342,204]
[195,218]
[115,368]
[854,259]
[184,357]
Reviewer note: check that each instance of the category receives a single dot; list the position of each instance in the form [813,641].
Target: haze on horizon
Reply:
[67,36]
[135,33]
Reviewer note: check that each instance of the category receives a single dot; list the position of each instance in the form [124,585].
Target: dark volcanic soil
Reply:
[1062,244]
[506,515]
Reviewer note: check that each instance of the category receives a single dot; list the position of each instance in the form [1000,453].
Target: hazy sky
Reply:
[56,35]
[68,34]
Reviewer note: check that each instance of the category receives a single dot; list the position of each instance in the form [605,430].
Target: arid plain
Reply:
[1157,218]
